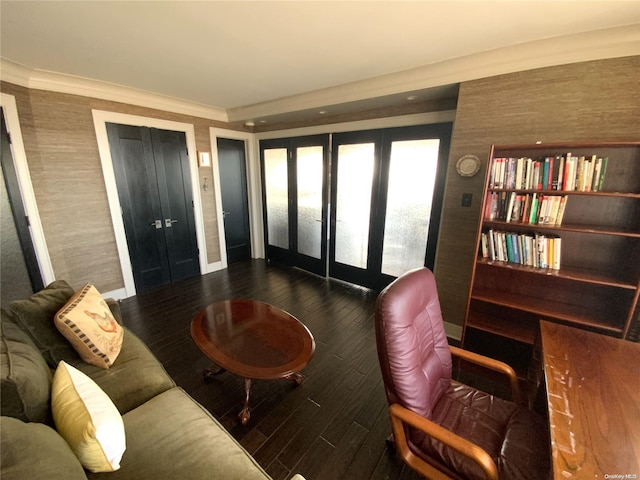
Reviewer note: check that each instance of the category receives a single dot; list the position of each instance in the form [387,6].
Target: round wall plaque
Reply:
[468,165]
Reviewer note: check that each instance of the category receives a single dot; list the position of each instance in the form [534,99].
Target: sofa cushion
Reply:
[87,419]
[88,324]
[136,377]
[26,377]
[187,443]
[35,316]
[35,451]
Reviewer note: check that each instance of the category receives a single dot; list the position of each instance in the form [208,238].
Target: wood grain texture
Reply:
[583,102]
[331,427]
[594,406]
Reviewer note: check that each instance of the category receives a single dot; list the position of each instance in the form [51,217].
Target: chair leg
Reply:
[391,444]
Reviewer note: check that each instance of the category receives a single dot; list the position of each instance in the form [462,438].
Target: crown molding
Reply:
[596,45]
[17,74]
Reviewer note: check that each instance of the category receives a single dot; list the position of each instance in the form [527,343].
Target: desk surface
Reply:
[593,394]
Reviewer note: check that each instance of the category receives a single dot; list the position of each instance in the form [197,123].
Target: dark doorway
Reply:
[154,187]
[235,206]
[20,275]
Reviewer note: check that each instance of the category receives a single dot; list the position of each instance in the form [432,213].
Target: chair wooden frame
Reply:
[492,364]
[401,415]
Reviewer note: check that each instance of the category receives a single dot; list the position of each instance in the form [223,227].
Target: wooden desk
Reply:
[593,395]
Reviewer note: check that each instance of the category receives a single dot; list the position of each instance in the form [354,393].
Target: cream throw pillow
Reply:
[87,323]
[87,419]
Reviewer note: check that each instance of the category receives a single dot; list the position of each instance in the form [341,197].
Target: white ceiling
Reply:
[256,59]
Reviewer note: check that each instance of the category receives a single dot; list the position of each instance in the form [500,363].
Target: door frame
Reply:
[100,119]
[8,103]
[254,188]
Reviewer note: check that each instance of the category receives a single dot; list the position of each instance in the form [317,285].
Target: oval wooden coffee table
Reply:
[253,340]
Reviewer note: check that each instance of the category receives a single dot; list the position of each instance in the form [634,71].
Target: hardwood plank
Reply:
[338,462]
[331,427]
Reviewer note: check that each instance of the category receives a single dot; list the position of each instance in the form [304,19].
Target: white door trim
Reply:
[10,108]
[100,119]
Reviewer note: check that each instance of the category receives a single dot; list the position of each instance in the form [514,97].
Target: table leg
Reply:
[245,413]
[295,377]
[209,373]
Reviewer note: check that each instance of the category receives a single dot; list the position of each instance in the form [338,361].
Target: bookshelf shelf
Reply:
[576,274]
[593,229]
[576,315]
[577,263]
[568,192]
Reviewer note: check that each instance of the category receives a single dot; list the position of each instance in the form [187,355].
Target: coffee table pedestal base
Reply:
[245,413]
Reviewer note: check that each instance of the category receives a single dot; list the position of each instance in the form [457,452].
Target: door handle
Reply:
[157,224]
[168,222]
[224,214]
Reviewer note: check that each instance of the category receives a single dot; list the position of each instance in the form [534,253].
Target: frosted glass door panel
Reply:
[309,176]
[277,194]
[353,203]
[412,175]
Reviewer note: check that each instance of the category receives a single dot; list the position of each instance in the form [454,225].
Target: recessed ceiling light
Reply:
[322,112]
[412,97]
[249,124]
[263,121]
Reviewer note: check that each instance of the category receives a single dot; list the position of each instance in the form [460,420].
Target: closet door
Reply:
[176,203]
[154,188]
[235,202]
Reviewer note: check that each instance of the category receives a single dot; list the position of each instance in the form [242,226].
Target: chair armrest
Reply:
[401,415]
[491,364]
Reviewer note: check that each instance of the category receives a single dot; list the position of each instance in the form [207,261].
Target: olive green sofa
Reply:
[168,434]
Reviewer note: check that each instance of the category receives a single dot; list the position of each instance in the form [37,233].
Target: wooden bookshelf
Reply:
[597,284]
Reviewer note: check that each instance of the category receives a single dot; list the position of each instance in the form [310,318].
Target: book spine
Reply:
[560,173]
[561,208]
[603,171]
[545,173]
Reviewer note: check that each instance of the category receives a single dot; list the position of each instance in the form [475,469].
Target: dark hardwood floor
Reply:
[331,427]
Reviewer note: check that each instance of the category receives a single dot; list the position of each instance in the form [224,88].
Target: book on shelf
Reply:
[533,250]
[568,172]
[529,208]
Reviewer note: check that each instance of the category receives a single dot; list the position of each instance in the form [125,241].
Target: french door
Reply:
[295,197]
[386,197]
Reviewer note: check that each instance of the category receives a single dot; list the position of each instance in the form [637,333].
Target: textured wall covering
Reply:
[584,102]
[591,101]
[66,172]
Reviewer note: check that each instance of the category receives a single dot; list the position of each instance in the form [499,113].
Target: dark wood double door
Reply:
[154,187]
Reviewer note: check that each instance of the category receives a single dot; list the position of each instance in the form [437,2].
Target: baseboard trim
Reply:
[453,331]
[118,294]
[213,267]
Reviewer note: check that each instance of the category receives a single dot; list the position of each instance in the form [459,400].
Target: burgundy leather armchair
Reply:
[442,428]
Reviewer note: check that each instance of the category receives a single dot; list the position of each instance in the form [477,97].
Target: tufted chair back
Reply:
[412,345]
